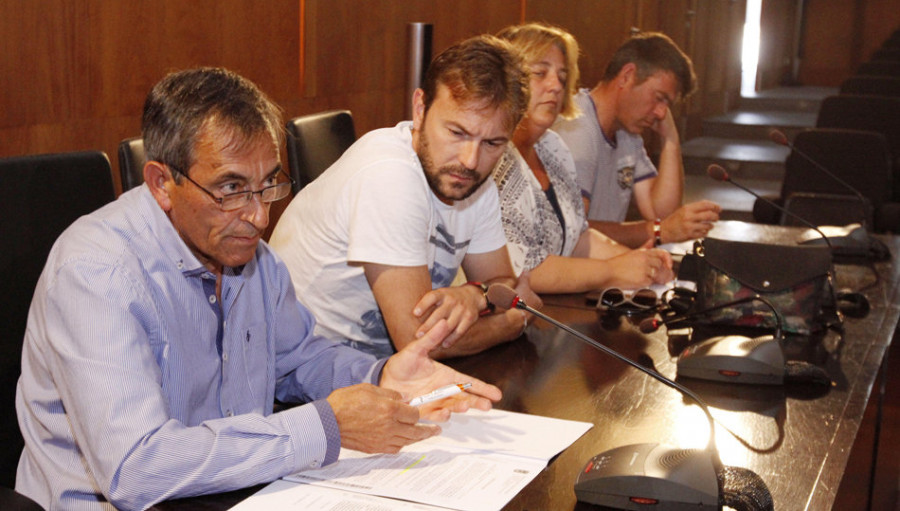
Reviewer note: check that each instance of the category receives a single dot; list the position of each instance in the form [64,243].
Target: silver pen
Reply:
[441,393]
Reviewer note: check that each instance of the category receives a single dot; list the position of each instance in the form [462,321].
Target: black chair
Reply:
[825,209]
[131,162]
[871,86]
[40,196]
[868,113]
[879,68]
[861,159]
[316,141]
[11,500]
[889,54]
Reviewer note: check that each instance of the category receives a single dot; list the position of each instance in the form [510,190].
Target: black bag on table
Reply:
[795,279]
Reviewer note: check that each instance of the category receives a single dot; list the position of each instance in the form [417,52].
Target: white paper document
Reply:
[480,462]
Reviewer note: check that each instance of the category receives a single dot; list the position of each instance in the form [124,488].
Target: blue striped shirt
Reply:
[137,386]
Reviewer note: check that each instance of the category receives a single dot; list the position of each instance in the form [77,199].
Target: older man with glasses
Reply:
[162,331]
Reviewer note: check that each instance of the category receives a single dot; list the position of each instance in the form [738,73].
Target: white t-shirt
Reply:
[374,205]
[606,171]
[532,226]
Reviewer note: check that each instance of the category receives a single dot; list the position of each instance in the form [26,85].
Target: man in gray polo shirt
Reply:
[645,77]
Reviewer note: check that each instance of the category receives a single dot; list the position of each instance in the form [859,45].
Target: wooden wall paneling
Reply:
[715,50]
[880,19]
[357,49]
[828,42]
[599,28]
[778,27]
[35,55]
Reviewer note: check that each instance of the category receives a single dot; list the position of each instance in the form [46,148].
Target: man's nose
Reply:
[468,154]
[257,212]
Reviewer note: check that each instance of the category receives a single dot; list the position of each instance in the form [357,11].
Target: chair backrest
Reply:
[871,86]
[879,68]
[825,209]
[867,113]
[892,54]
[131,162]
[316,141]
[861,159]
[40,196]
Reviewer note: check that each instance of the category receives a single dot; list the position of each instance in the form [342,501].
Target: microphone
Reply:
[718,173]
[740,359]
[645,473]
[777,136]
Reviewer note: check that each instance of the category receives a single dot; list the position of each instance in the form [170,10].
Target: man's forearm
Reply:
[668,187]
[488,331]
[631,234]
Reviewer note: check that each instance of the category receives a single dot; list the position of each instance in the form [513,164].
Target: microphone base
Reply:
[850,240]
[734,359]
[651,475]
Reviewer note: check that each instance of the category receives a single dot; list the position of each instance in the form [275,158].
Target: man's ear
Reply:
[627,75]
[159,179]
[418,104]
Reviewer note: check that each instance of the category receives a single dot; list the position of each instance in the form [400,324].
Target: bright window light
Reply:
[750,53]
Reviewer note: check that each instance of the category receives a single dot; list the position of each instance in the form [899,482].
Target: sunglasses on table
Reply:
[628,301]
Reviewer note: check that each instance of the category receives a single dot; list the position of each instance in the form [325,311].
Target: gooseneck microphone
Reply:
[638,475]
[718,173]
[775,135]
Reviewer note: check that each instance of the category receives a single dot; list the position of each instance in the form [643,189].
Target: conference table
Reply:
[797,437]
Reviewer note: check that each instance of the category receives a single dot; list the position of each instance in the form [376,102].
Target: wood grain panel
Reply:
[74,73]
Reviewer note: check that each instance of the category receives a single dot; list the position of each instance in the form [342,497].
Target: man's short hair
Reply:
[184,104]
[482,69]
[533,40]
[652,52]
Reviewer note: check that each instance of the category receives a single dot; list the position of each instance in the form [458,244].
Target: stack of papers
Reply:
[479,462]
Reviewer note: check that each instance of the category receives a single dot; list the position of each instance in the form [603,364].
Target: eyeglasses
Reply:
[237,200]
[639,300]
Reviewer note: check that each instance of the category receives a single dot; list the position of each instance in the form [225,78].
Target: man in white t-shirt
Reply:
[374,243]
[645,77]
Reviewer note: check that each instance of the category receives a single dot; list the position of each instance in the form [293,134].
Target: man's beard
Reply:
[433,176]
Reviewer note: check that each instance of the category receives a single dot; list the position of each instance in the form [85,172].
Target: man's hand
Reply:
[375,420]
[690,221]
[666,128]
[641,268]
[459,306]
[412,372]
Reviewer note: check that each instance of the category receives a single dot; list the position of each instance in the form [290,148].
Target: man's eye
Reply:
[456,133]
[230,188]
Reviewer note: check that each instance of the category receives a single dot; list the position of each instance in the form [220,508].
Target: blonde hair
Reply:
[532,40]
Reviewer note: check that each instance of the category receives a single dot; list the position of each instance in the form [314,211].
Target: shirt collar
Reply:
[170,241]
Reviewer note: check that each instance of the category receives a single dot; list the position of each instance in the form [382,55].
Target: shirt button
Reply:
[225,357]
[229,413]
[314,463]
[212,298]
[180,265]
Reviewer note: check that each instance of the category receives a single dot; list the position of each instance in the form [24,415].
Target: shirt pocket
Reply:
[258,366]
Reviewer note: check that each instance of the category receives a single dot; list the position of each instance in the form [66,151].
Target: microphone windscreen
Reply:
[777,136]
[717,172]
[649,325]
[502,296]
